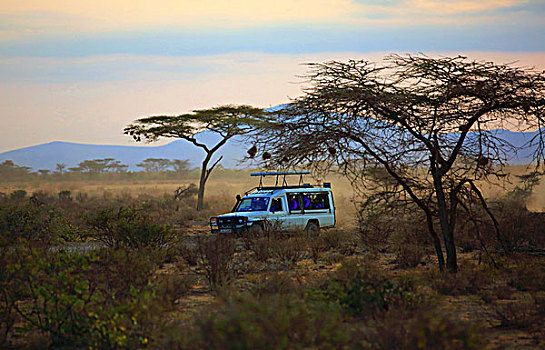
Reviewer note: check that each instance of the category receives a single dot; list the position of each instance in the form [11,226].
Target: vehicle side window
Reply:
[293,202]
[276,205]
[315,201]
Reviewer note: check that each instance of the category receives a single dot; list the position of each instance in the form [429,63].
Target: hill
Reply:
[46,156]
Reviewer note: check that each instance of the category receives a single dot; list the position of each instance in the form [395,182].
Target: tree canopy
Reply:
[100,166]
[227,121]
[428,123]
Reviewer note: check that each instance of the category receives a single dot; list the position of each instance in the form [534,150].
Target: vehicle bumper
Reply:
[228,227]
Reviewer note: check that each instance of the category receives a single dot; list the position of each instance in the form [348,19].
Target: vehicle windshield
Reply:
[253,204]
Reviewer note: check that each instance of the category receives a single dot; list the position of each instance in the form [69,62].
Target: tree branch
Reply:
[209,170]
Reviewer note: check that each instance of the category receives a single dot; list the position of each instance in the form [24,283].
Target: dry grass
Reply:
[284,272]
[220,188]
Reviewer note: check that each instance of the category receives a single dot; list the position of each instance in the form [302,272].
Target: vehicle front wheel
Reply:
[255,230]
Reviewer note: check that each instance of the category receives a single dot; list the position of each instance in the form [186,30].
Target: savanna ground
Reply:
[108,263]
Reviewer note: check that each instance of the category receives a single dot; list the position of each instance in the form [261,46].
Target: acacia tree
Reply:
[60,167]
[180,166]
[100,166]
[155,165]
[427,123]
[226,121]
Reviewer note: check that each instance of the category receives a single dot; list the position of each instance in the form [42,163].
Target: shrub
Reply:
[189,253]
[316,248]
[116,271]
[261,247]
[527,274]
[422,329]
[128,227]
[216,257]
[41,198]
[273,322]
[290,250]
[8,296]
[520,228]
[40,225]
[469,279]
[518,314]
[273,284]
[58,293]
[170,288]
[363,291]
[68,297]
[409,255]
[332,239]
[65,196]
[18,195]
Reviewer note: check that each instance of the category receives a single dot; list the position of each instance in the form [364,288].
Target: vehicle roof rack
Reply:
[278,174]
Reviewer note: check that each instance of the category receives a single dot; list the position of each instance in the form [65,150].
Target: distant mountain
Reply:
[46,156]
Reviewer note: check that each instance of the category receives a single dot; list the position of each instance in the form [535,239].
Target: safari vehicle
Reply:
[282,206]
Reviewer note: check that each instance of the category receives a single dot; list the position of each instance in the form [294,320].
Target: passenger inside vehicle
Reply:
[276,205]
[293,204]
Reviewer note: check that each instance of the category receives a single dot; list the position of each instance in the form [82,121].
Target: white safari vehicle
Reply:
[282,206]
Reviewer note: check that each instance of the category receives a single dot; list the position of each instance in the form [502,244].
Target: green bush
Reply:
[101,299]
[35,225]
[362,291]
[128,228]
[56,293]
[273,322]
[116,271]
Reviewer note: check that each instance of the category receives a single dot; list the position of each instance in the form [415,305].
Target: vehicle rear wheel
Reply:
[312,229]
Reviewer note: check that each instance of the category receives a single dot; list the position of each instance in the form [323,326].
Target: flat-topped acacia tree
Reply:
[425,123]
[227,121]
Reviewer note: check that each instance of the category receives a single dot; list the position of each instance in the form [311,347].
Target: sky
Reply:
[82,70]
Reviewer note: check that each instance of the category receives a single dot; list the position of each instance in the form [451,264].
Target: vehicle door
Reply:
[295,219]
[317,206]
[278,216]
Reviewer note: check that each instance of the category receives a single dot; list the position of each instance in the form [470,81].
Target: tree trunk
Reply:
[202,182]
[436,242]
[447,229]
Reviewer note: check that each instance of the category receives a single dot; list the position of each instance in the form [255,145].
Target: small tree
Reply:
[100,166]
[180,166]
[10,170]
[60,167]
[426,123]
[226,121]
[155,165]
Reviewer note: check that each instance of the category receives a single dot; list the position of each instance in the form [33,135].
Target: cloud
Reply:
[518,34]
[435,7]
[58,16]
[445,12]
[23,19]
[95,109]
